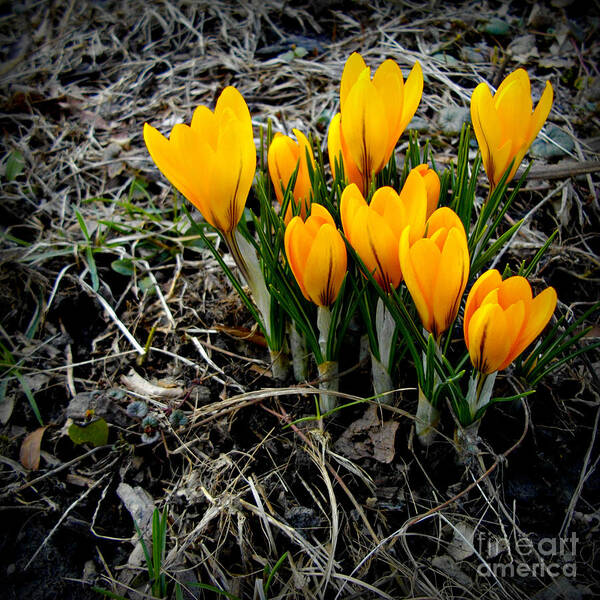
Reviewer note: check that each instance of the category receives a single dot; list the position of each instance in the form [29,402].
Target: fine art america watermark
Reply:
[548,556]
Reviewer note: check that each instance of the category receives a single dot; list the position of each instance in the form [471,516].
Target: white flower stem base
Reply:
[280,364]
[382,381]
[328,374]
[426,421]
[328,369]
[299,353]
[466,441]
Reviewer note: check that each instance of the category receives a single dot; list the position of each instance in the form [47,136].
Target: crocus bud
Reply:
[505,124]
[212,162]
[502,318]
[432,184]
[284,156]
[436,269]
[316,254]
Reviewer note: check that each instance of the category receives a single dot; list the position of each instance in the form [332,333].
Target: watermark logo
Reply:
[548,556]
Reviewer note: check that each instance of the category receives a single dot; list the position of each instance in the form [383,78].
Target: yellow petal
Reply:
[426,256]
[441,222]
[163,154]
[334,144]
[413,90]
[325,266]
[206,124]
[432,185]
[413,197]
[303,187]
[409,275]
[338,151]
[321,214]
[486,126]
[231,178]
[282,159]
[364,126]
[191,150]
[451,280]
[515,320]
[539,313]
[513,107]
[488,281]
[386,203]
[231,99]
[389,83]
[488,342]
[514,289]
[297,243]
[419,265]
[540,114]
[353,68]
[501,161]
[351,202]
[385,248]
[520,76]
[377,247]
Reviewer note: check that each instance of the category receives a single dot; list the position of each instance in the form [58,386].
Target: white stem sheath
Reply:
[426,421]
[328,372]
[299,354]
[382,381]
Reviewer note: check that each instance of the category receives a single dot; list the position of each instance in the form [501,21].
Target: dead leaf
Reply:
[447,565]
[136,383]
[30,449]
[262,371]
[243,333]
[139,504]
[461,546]
[369,437]
[7,403]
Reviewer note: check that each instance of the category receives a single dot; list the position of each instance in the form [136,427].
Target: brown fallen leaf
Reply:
[369,437]
[30,449]
[136,383]
[243,333]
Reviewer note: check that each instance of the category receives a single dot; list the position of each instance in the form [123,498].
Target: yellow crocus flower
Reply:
[316,254]
[373,114]
[432,183]
[283,158]
[502,318]
[505,124]
[374,229]
[212,162]
[436,269]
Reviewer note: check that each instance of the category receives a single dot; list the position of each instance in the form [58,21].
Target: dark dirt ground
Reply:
[77,82]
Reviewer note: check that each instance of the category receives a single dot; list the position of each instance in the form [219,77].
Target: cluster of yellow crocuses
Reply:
[398,235]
